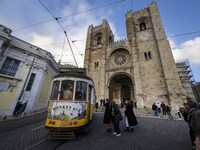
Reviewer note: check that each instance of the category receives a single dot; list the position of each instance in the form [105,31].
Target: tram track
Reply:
[46,144]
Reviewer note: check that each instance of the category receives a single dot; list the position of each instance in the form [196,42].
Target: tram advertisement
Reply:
[67,111]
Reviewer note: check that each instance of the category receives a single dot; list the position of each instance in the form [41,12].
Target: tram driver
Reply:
[68,94]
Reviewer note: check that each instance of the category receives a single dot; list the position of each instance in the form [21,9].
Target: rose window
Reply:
[120,59]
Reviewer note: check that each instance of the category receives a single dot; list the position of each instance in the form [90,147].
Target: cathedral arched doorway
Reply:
[121,87]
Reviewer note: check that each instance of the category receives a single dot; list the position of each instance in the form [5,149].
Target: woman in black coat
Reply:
[131,120]
[107,119]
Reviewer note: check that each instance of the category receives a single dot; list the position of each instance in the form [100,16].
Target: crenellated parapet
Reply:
[120,43]
[101,26]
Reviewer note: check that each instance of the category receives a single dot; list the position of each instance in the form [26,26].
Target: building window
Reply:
[99,40]
[142,26]
[10,66]
[96,65]
[147,55]
[30,82]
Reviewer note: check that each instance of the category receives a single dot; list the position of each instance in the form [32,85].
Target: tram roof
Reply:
[73,75]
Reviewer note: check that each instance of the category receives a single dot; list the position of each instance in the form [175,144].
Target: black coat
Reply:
[154,107]
[107,114]
[129,113]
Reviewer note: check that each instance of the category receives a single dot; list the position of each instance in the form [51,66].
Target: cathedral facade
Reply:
[140,68]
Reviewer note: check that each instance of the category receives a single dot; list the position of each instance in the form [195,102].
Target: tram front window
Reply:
[55,90]
[67,90]
[81,91]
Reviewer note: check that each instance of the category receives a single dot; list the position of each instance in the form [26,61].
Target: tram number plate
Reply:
[71,123]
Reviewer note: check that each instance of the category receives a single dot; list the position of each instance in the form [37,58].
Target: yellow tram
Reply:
[70,106]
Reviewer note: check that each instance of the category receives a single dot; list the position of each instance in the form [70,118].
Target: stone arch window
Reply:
[147,55]
[142,27]
[97,39]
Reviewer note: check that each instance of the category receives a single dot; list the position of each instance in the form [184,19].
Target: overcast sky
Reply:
[31,22]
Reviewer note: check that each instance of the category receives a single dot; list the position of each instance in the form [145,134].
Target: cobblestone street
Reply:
[150,134]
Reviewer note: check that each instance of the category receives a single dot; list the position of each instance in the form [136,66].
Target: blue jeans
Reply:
[155,113]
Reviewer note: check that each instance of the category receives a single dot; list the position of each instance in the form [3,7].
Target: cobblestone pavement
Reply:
[149,134]
[20,138]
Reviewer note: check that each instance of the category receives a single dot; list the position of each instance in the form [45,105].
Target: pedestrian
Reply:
[155,110]
[17,109]
[194,121]
[104,101]
[97,106]
[101,102]
[117,117]
[158,108]
[178,112]
[122,102]
[23,107]
[168,111]
[131,120]
[107,119]
[185,112]
[163,106]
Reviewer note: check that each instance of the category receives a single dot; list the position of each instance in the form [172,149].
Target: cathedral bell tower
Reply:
[141,68]
[98,39]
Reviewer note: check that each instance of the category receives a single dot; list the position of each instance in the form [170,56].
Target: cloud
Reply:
[49,36]
[76,27]
[41,40]
[188,50]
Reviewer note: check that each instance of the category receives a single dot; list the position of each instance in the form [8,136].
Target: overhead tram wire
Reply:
[56,19]
[62,51]
[110,4]
[73,41]
[32,25]
[94,8]
[183,34]
[122,35]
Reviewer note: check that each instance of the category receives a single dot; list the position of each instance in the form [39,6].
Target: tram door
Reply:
[90,99]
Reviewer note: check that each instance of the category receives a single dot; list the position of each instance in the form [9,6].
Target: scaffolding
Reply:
[186,76]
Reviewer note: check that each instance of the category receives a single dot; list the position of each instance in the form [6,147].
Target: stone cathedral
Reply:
[140,68]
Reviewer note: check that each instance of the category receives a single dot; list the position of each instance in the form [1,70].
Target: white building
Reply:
[26,72]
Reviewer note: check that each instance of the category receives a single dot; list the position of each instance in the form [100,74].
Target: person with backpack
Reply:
[117,117]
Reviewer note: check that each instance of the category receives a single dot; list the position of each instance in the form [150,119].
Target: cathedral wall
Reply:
[97,72]
[145,57]
[151,70]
